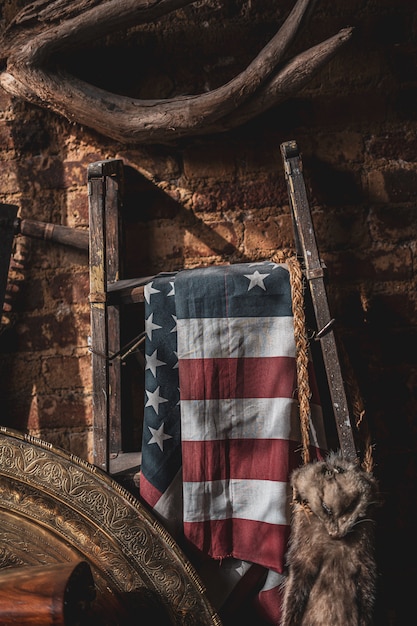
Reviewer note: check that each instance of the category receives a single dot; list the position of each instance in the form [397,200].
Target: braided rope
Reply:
[302,354]
[301,345]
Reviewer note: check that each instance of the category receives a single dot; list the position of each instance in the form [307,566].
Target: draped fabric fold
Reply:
[235,434]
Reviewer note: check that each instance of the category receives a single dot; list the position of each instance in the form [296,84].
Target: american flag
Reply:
[217,455]
[160,476]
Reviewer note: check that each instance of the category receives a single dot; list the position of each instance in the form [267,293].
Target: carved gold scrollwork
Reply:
[56,508]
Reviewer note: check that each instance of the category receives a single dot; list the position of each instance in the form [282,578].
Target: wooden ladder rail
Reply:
[307,250]
[105,180]
[108,291]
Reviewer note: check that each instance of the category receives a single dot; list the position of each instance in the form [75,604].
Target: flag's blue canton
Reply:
[161,446]
[241,290]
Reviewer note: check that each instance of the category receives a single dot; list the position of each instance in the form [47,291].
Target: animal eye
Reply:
[339,470]
[326,509]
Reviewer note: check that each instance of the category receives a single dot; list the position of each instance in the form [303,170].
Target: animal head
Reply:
[337,491]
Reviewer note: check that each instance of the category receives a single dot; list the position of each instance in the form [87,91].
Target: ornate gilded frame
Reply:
[54,508]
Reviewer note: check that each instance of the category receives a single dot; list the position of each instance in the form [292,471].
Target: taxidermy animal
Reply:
[331,566]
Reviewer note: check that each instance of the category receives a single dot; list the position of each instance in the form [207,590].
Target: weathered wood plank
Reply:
[114,271]
[307,248]
[104,180]
[53,232]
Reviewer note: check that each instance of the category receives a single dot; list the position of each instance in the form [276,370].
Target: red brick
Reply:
[32,291]
[358,266]
[337,229]
[393,223]
[264,237]
[64,372]
[6,136]
[241,196]
[218,238]
[77,209]
[401,184]
[5,100]
[395,144]
[60,411]
[70,287]
[46,332]
[156,162]
[10,181]
[75,442]
[202,162]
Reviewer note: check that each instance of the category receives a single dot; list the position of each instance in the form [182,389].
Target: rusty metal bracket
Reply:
[306,246]
[326,329]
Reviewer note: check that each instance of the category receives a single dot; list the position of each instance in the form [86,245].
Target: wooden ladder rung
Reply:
[128,290]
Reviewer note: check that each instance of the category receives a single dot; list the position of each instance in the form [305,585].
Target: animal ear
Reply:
[296,497]
[294,484]
[299,481]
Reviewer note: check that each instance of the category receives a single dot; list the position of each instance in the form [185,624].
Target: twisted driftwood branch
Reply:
[45,28]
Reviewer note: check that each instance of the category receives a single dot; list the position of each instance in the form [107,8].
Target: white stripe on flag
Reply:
[239,499]
[235,337]
[273,580]
[248,418]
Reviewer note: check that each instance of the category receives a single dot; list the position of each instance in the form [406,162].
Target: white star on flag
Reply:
[154,399]
[256,280]
[174,330]
[158,436]
[150,326]
[152,362]
[148,291]
[172,292]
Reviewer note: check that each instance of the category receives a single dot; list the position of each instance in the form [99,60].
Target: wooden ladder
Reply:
[109,290]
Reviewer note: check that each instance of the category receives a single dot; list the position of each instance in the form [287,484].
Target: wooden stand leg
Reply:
[58,594]
[313,268]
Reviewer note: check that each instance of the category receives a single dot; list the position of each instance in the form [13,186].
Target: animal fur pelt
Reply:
[331,564]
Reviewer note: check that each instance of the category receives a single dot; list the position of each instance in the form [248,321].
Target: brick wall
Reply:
[223,198]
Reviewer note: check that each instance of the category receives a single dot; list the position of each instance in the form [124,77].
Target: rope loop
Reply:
[301,345]
[297,284]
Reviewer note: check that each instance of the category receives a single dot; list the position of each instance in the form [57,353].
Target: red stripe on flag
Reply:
[237,600]
[254,541]
[266,377]
[148,492]
[256,459]
[268,604]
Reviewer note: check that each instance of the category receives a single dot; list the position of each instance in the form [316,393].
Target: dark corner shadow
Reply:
[332,186]
[24,348]
[145,607]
